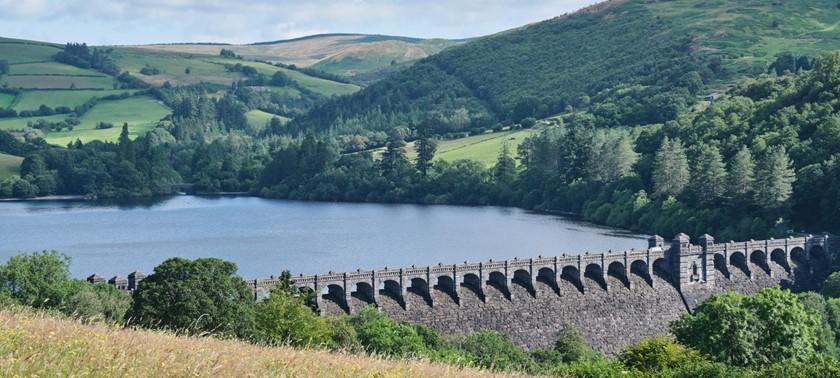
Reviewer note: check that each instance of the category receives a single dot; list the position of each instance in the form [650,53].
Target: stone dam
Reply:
[613,298]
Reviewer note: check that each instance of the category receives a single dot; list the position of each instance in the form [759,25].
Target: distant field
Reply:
[258,118]
[31,100]
[16,53]
[173,66]
[751,33]
[6,100]
[51,68]
[58,82]
[482,148]
[318,85]
[9,166]
[141,113]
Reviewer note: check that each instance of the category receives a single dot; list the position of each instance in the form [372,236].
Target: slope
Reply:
[629,62]
[41,345]
[342,54]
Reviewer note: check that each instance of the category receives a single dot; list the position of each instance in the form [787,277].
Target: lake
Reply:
[265,236]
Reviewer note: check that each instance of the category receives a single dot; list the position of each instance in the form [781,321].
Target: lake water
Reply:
[264,237]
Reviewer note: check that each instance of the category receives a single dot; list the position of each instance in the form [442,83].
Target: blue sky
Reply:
[120,22]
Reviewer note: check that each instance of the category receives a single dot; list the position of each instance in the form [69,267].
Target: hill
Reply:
[642,61]
[351,55]
[38,91]
[41,345]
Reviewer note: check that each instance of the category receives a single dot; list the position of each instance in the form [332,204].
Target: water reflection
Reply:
[265,236]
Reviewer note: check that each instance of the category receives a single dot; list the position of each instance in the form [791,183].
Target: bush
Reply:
[492,350]
[656,355]
[571,346]
[831,286]
[750,331]
[377,333]
[284,319]
[97,302]
[204,295]
[40,279]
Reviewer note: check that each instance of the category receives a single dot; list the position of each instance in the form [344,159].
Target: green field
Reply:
[16,53]
[173,67]
[6,100]
[31,100]
[258,118]
[9,166]
[51,68]
[317,85]
[141,114]
[751,33]
[13,124]
[482,148]
[58,82]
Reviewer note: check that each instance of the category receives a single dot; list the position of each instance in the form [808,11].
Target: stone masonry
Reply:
[613,299]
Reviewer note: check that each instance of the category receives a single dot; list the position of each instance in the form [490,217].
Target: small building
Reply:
[120,282]
[96,278]
[712,97]
[134,279]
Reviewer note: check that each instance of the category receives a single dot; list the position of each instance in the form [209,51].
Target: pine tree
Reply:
[774,179]
[126,146]
[394,159]
[505,170]
[425,147]
[670,169]
[709,177]
[615,159]
[741,176]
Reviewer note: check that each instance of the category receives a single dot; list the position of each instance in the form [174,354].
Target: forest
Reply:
[760,162]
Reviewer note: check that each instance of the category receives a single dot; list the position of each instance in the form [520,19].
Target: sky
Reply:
[125,22]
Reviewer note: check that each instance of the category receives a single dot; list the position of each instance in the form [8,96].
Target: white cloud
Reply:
[147,21]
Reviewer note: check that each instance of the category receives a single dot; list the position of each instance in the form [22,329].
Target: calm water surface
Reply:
[265,236]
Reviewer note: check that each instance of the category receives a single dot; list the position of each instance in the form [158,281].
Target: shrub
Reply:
[655,355]
[492,350]
[283,318]
[40,279]
[377,333]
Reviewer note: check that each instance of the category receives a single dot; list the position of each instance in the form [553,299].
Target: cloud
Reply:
[148,21]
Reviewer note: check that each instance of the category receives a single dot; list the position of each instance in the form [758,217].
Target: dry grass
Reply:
[36,344]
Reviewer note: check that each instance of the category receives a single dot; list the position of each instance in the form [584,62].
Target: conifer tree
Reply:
[394,158]
[774,179]
[505,170]
[425,147]
[670,169]
[741,175]
[709,177]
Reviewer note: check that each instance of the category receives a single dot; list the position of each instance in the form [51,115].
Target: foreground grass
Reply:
[35,344]
[9,166]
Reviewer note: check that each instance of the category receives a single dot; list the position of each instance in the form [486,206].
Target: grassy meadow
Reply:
[31,100]
[258,118]
[9,166]
[141,114]
[36,344]
[6,100]
[751,33]
[20,52]
[58,82]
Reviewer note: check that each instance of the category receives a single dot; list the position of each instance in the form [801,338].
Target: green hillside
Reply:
[348,55]
[38,85]
[9,166]
[629,62]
